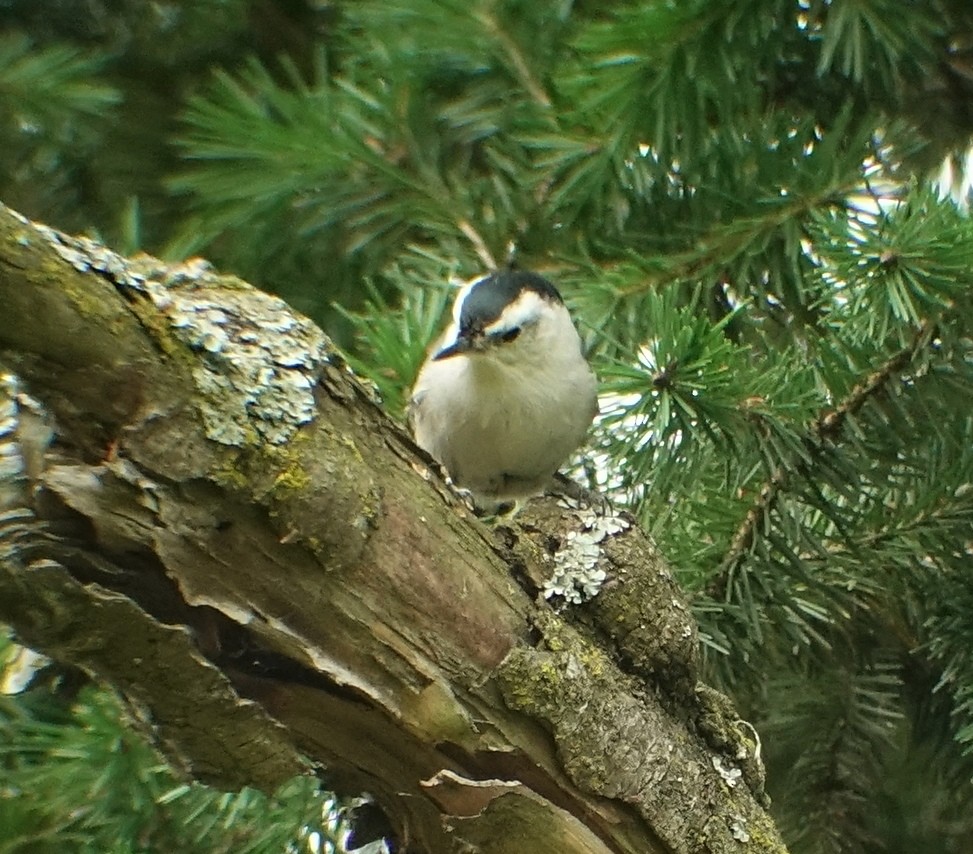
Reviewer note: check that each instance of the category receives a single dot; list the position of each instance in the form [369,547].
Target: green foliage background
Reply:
[736,198]
[74,777]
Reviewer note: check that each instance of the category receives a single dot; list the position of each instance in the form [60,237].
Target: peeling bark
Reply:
[228,528]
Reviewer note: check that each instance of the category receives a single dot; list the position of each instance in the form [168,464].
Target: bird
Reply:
[506,395]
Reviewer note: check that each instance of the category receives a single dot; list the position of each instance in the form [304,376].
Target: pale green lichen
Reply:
[578,573]
[258,361]
[86,255]
[730,774]
[738,827]
[258,365]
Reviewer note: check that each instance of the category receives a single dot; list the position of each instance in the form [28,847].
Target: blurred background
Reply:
[757,210]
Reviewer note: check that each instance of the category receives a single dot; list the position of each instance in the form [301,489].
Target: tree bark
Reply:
[202,506]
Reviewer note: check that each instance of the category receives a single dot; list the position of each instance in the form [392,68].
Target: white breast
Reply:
[503,423]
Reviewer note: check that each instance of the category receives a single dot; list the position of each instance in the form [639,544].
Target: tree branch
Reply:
[217,518]
[826,429]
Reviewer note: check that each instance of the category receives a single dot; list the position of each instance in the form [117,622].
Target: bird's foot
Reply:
[577,495]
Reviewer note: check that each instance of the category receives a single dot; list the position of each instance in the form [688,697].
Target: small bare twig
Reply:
[479,245]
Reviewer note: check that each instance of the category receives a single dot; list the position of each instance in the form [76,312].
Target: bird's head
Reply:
[508,316]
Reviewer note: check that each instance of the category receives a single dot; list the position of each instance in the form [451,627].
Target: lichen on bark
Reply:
[617,741]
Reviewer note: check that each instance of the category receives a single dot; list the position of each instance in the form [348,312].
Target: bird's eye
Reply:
[510,334]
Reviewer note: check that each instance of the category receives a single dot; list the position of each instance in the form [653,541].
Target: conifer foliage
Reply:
[739,201]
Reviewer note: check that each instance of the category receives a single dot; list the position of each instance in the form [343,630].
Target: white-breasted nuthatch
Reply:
[506,395]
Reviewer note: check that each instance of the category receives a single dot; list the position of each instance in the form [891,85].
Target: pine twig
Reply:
[827,428]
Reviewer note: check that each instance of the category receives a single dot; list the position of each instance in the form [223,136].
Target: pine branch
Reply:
[832,733]
[52,84]
[825,430]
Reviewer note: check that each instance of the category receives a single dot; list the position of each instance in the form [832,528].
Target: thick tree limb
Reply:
[228,528]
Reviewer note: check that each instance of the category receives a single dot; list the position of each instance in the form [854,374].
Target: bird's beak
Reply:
[463,344]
